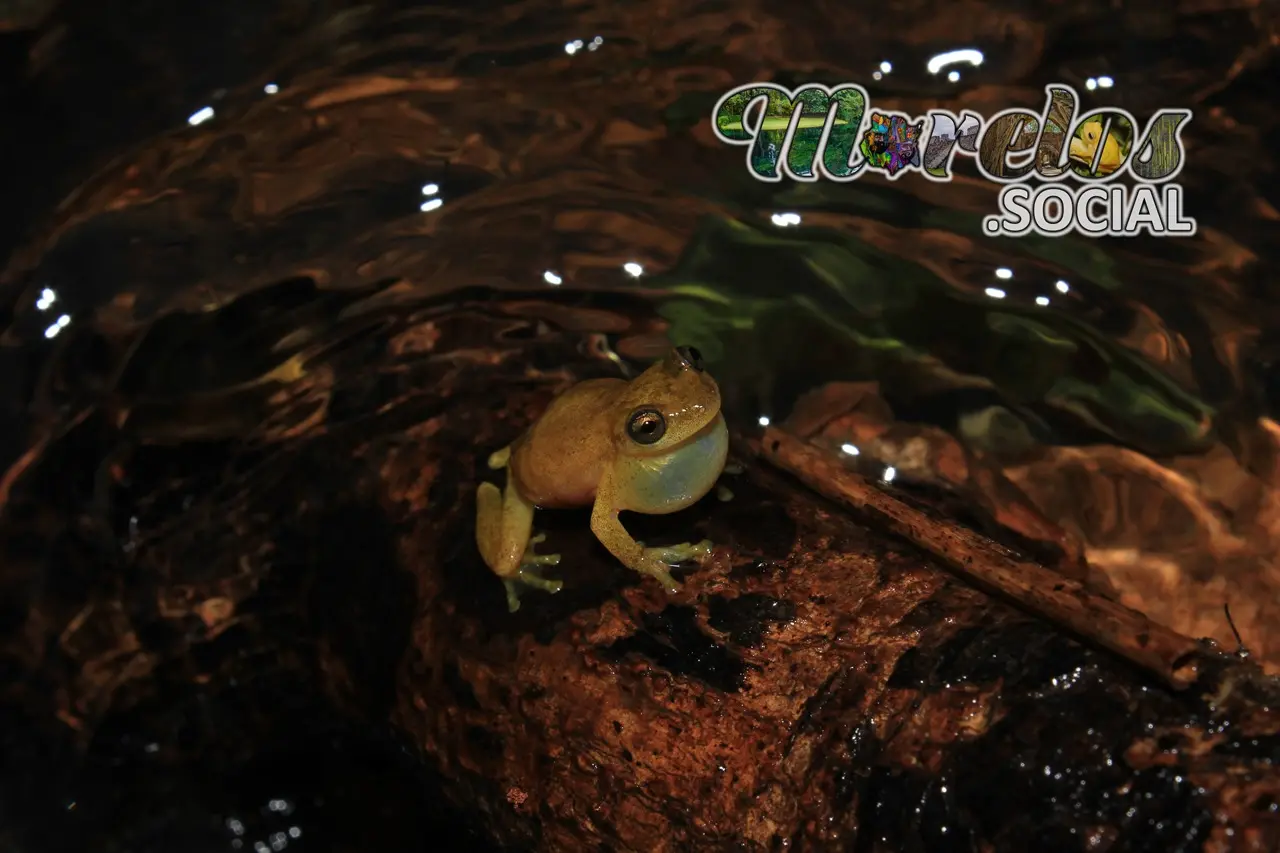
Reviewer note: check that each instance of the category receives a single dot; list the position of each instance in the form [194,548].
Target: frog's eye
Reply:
[691,356]
[646,426]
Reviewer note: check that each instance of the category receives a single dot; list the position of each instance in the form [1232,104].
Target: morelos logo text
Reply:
[820,132]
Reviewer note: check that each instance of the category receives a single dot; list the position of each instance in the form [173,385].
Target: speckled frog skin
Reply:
[654,445]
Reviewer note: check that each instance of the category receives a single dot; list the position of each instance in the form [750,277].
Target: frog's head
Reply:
[667,405]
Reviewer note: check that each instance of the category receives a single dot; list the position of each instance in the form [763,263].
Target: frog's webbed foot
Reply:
[529,576]
[733,469]
[656,562]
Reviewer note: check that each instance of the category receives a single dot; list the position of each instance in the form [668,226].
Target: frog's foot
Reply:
[723,493]
[498,459]
[531,558]
[529,576]
[655,562]
[733,469]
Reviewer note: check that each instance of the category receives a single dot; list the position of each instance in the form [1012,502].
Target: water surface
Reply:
[238,290]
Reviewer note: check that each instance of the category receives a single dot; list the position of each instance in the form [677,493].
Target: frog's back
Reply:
[560,460]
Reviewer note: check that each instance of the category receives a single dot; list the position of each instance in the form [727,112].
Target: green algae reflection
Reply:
[816,305]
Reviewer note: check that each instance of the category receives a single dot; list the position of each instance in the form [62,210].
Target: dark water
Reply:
[233,285]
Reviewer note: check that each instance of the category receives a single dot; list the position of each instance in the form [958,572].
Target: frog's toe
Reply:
[531,558]
[498,459]
[658,571]
[702,549]
[680,553]
[528,576]
[513,594]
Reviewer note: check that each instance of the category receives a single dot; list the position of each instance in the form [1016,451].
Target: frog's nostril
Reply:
[692,356]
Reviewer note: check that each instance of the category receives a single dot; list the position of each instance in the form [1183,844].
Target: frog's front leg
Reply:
[504,521]
[608,528]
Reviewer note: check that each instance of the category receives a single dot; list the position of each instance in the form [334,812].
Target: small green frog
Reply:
[653,445]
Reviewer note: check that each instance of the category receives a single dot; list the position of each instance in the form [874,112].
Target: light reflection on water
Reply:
[597,173]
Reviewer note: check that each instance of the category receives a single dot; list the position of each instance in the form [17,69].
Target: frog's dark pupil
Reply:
[646,426]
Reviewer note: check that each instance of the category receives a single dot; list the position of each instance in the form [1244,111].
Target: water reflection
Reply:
[57,326]
[578,44]
[273,841]
[200,116]
[258,283]
[963,56]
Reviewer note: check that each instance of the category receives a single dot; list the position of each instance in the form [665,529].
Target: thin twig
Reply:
[1241,651]
[1169,655]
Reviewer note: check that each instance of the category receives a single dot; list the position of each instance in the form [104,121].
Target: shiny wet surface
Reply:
[239,288]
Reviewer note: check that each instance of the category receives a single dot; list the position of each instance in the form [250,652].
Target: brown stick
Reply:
[1128,633]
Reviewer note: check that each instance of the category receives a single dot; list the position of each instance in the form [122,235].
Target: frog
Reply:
[655,444]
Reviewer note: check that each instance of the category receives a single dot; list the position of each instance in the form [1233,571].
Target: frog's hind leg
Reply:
[504,521]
